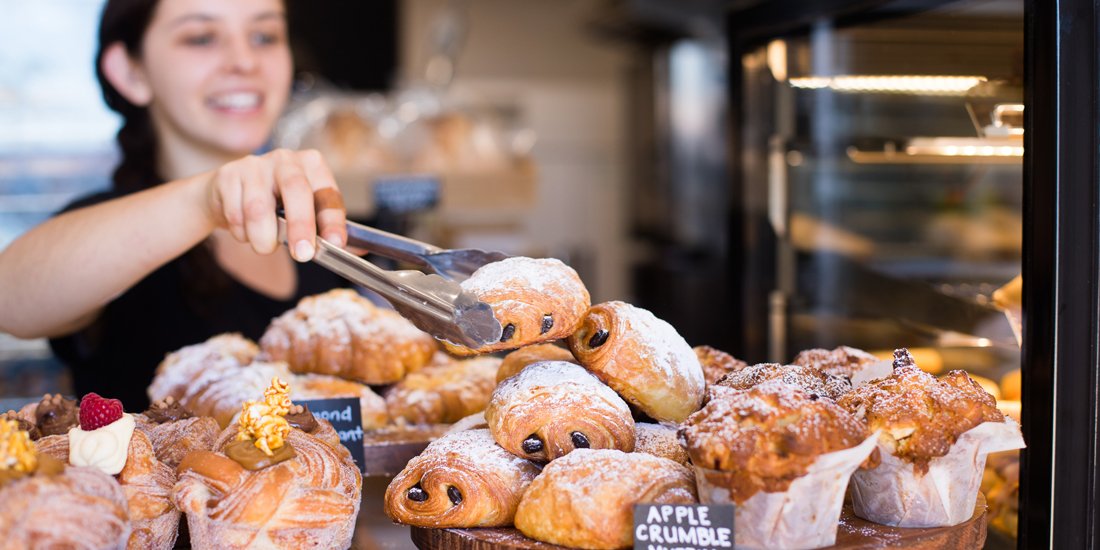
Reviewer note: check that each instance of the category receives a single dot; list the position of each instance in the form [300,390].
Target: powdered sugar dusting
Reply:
[659,440]
[616,469]
[661,345]
[478,447]
[198,364]
[583,385]
[520,272]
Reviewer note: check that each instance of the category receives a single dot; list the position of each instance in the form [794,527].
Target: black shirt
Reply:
[117,355]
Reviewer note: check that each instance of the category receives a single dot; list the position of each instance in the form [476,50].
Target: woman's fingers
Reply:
[293,186]
[327,200]
[245,192]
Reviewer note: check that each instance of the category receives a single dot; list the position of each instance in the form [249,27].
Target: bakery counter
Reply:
[373,530]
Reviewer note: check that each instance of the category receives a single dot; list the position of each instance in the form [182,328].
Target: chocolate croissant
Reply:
[463,479]
[535,300]
[519,359]
[443,393]
[641,357]
[343,334]
[310,500]
[586,499]
[554,407]
[77,508]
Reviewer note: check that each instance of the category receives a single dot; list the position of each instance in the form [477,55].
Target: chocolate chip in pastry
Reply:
[765,437]
[520,358]
[642,358]
[443,393]
[343,334]
[586,499]
[921,416]
[535,301]
[717,363]
[814,382]
[463,479]
[551,408]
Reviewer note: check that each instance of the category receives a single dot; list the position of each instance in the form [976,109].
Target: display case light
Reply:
[891,84]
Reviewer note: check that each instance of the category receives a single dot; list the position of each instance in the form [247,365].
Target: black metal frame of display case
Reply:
[1060,489]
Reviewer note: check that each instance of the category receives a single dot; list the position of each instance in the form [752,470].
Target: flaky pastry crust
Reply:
[443,393]
[343,334]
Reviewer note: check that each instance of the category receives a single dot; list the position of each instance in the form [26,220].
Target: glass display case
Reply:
[895,164]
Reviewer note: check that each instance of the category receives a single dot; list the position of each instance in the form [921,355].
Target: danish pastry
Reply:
[46,504]
[174,431]
[463,479]
[517,360]
[586,499]
[552,408]
[717,363]
[341,333]
[54,414]
[444,393]
[305,493]
[146,482]
[535,300]
[856,365]
[641,357]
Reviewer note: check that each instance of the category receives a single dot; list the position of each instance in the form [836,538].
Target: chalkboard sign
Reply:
[346,417]
[683,526]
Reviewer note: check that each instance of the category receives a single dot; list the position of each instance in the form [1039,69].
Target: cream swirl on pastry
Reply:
[104,448]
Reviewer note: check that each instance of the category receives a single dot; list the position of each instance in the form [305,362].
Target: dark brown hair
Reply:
[126,22]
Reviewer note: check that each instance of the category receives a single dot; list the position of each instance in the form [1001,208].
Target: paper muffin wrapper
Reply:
[895,494]
[804,516]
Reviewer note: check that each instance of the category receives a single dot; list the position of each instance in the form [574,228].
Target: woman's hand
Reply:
[242,197]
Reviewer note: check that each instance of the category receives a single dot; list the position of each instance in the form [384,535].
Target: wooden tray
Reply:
[853,533]
[388,450]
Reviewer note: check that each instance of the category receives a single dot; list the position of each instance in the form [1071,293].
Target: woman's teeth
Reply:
[236,101]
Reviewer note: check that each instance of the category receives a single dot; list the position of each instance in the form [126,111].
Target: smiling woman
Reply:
[184,244]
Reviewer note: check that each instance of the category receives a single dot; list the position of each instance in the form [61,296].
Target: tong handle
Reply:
[388,244]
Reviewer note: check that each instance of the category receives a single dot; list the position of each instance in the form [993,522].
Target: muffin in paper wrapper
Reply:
[806,515]
[895,494]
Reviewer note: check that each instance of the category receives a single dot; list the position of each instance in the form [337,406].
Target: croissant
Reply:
[641,357]
[310,500]
[174,432]
[517,360]
[586,499]
[552,408]
[445,393]
[199,364]
[78,508]
[717,363]
[534,300]
[146,483]
[463,479]
[221,382]
[343,334]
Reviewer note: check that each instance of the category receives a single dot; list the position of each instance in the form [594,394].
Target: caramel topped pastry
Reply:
[264,422]
[919,415]
[16,450]
[763,438]
[167,410]
[55,415]
[812,381]
[717,363]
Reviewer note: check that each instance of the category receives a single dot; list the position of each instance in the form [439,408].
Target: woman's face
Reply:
[219,72]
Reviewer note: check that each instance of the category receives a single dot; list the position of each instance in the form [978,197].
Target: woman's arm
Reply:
[58,276]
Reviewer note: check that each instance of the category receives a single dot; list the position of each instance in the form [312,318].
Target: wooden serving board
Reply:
[853,533]
[388,450]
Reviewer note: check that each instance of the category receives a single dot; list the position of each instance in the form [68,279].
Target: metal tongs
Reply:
[435,303]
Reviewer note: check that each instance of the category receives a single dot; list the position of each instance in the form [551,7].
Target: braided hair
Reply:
[126,22]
